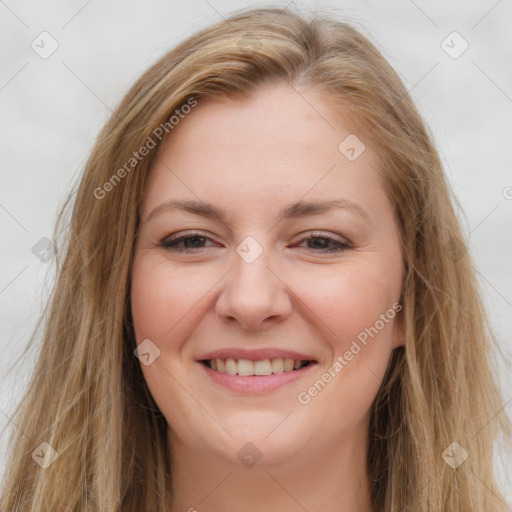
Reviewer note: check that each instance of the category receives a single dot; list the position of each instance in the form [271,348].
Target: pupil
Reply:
[195,238]
[319,242]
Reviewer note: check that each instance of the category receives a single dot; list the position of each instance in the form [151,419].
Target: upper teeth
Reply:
[246,367]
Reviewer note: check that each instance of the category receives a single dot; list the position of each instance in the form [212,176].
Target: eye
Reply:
[188,242]
[326,244]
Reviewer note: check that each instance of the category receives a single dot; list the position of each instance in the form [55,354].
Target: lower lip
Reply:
[256,383]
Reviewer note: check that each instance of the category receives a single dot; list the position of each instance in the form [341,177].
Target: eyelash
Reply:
[172,243]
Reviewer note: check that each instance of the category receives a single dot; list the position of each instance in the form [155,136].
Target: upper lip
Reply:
[254,355]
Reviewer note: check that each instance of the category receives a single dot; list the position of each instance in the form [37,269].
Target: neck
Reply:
[322,476]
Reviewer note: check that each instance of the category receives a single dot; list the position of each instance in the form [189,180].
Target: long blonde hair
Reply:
[87,397]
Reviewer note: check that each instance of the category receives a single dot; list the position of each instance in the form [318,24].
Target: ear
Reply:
[399,329]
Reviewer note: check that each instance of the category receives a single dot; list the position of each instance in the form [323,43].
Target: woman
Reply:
[264,300]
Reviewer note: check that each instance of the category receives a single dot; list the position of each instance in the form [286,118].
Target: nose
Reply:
[254,295]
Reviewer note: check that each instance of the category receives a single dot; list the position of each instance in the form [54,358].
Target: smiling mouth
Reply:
[248,368]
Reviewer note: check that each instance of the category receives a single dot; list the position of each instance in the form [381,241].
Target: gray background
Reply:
[53,108]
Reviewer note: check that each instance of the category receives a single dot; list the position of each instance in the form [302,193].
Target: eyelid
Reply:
[325,234]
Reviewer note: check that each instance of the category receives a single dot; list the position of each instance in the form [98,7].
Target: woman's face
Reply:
[252,289]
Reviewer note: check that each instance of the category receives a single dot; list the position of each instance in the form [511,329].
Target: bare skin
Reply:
[251,159]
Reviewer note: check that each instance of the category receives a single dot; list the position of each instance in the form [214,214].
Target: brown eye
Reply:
[323,243]
[185,243]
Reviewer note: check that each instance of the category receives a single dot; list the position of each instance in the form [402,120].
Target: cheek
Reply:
[166,303]
[345,302]
[164,299]
[350,303]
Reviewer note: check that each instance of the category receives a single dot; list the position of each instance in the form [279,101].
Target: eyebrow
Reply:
[294,210]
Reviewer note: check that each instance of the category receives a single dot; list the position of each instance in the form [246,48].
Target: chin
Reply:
[263,436]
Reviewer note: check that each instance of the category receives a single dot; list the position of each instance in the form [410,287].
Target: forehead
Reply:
[281,144]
